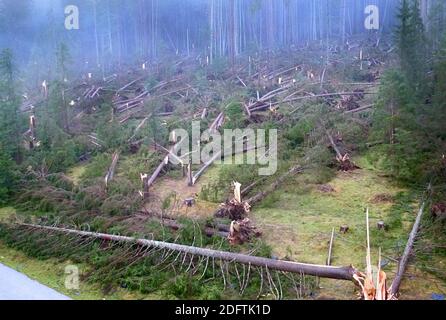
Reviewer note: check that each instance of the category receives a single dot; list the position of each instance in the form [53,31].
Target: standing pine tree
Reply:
[9,108]
[411,41]
[9,126]
[58,103]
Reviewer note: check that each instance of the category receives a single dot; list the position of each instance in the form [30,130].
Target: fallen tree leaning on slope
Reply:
[341,273]
[394,289]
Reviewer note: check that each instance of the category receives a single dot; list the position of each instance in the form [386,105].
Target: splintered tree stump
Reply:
[189,202]
[344,229]
[381,225]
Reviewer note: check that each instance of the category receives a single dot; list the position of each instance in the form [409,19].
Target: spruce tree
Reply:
[411,42]
[9,108]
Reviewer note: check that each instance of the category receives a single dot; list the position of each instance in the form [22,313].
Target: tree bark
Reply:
[394,289]
[341,273]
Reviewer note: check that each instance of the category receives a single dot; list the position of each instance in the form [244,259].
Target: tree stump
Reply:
[344,229]
[381,225]
[189,202]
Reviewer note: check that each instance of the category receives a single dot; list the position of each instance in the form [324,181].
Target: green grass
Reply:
[52,274]
[298,218]
[76,173]
[6,212]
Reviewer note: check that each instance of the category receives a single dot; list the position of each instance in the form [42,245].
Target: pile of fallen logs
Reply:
[121,104]
[92,92]
[93,138]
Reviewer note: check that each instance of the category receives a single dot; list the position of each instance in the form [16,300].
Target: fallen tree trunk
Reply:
[214,126]
[162,164]
[129,84]
[341,273]
[140,125]
[343,159]
[218,155]
[360,109]
[407,251]
[205,166]
[261,195]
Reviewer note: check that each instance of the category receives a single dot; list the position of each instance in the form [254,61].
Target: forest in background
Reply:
[37,48]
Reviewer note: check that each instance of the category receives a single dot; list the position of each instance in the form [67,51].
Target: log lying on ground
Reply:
[163,163]
[367,107]
[265,105]
[407,252]
[129,84]
[140,125]
[215,125]
[217,156]
[197,175]
[341,273]
[262,194]
[95,140]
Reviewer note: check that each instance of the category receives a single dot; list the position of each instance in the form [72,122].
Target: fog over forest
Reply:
[114,31]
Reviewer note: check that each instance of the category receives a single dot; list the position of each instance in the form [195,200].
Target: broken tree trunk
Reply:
[142,123]
[215,125]
[111,170]
[205,166]
[261,195]
[236,210]
[341,273]
[129,84]
[367,107]
[330,249]
[343,159]
[163,163]
[406,255]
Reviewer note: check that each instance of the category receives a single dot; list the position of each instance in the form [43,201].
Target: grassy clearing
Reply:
[298,218]
[6,212]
